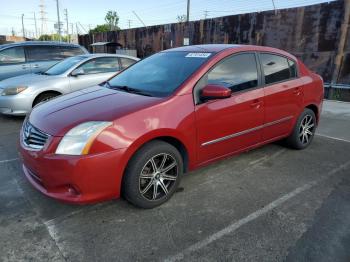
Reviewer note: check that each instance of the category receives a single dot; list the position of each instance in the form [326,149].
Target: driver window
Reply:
[14,55]
[238,72]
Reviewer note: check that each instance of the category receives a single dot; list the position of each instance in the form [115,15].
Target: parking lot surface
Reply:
[269,204]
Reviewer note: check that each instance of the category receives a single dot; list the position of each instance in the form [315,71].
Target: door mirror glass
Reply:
[78,72]
[212,91]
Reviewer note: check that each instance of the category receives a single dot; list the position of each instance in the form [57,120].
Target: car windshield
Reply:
[64,65]
[160,74]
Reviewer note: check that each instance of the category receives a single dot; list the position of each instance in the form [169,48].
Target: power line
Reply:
[139,19]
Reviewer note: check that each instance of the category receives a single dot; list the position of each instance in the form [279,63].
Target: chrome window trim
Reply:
[246,131]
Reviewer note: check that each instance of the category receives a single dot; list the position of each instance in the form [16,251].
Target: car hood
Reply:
[56,117]
[27,79]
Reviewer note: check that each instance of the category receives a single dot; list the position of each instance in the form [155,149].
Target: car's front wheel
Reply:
[153,174]
[44,97]
[304,130]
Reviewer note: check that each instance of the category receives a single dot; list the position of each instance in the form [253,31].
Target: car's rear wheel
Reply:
[153,175]
[44,97]
[303,131]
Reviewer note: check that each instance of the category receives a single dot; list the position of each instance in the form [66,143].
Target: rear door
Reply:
[229,125]
[13,62]
[283,94]
[96,71]
[41,57]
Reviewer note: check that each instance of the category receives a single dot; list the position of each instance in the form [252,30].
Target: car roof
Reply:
[212,48]
[29,43]
[88,56]
[216,48]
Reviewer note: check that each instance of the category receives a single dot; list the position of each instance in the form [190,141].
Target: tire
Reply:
[44,97]
[147,191]
[304,130]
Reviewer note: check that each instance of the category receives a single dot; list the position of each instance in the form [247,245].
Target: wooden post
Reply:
[340,50]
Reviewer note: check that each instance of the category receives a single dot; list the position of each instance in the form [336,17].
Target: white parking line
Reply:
[332,137]
[236,225]
[9,160]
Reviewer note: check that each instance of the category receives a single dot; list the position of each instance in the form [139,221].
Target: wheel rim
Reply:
[158,176]
[306,130]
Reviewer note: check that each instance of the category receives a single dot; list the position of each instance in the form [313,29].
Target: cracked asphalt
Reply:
[269,204]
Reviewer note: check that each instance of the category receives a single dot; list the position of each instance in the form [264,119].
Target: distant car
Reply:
[172,112]
[34,56]
[18,95]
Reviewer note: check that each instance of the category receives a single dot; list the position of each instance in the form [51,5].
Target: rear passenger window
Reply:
[14,55]
[43,53]
[276,68]
[126,62]
[238,73]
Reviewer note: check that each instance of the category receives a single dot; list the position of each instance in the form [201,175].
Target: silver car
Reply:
[18,95]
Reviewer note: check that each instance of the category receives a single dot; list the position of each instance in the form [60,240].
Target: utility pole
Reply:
[58,21]
[206,12]
[36,28]
[139,19]
[188,11]
[23,31]
[274,7]
[43,17]
[13,32]
[66,15]
[77,29]
[129,23]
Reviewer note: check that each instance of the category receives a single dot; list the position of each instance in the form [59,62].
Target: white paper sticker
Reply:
[198,55]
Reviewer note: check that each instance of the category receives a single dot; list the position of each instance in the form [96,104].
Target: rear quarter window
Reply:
[71,51]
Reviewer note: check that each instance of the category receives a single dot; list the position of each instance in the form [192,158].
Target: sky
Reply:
[86,14]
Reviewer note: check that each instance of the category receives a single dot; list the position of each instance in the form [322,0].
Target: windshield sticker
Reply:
[198,55]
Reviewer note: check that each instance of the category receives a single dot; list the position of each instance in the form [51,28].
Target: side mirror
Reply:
[212,91]
[77,72]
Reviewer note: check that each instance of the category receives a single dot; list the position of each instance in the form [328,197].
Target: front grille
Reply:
[32,137]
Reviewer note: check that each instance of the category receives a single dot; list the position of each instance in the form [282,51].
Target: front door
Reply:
[225,126]
[13,62]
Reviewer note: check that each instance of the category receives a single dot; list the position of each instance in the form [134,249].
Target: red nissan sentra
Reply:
[170,113]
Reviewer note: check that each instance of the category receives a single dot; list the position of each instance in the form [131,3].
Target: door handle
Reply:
[25,67]
[36,66]
[256,103]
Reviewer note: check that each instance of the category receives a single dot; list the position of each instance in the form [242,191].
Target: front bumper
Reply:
[74,179]
[19,104]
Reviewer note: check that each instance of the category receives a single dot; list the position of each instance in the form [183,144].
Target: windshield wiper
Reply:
[128,89]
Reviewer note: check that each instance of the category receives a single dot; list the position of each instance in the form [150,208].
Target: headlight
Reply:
[80,138]
[10,91]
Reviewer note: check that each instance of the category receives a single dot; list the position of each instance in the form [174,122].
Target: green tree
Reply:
[45,38]
[99,29]
[112,20]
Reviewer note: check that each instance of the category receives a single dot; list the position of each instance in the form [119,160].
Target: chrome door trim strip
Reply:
[247,131]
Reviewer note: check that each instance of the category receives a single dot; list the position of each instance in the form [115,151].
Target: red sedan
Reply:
[170,113]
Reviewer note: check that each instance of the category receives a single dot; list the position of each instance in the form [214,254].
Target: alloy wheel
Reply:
[306,130]
[158,176]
